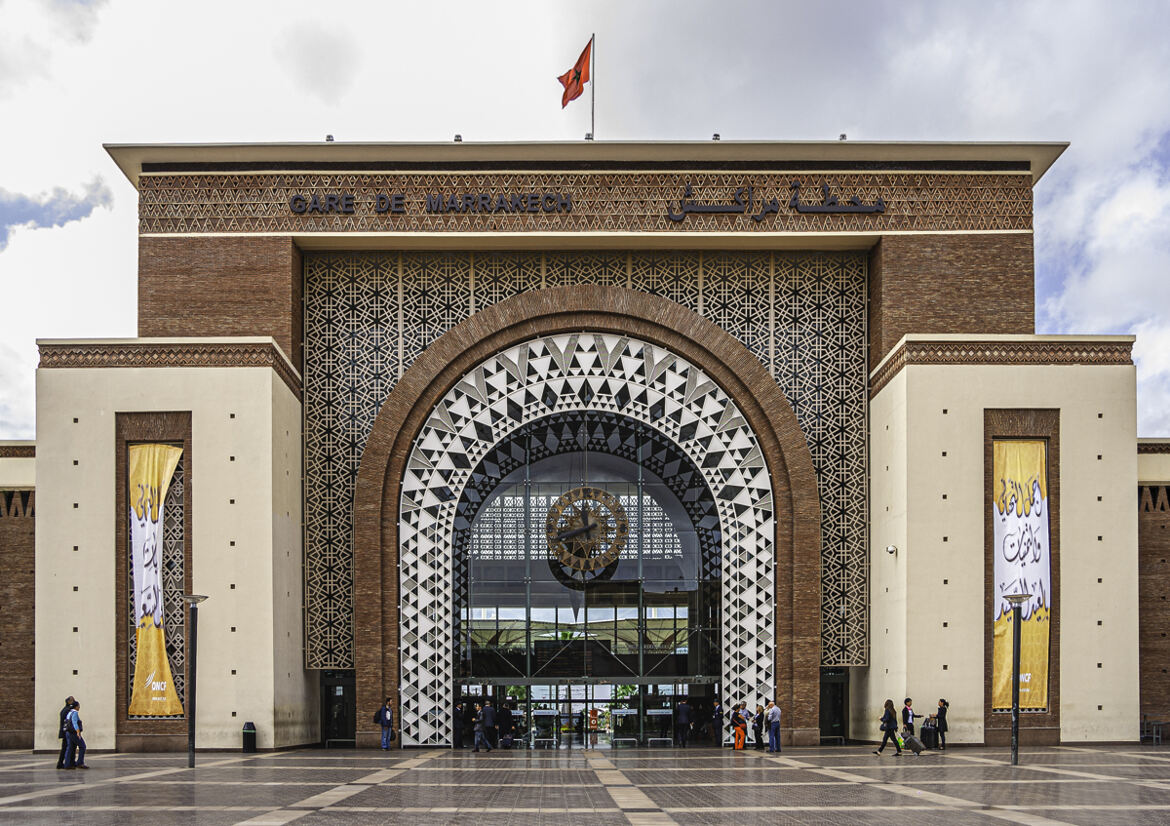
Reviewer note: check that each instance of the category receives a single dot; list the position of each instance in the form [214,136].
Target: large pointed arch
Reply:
[601,310]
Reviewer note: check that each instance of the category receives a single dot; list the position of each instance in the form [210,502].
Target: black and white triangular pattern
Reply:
[579,372]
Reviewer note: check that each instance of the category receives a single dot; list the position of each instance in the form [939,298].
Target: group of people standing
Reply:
[764,719]
[72,754]
[889,724]
[491,728]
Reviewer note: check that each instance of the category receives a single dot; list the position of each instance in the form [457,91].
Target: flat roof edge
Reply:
[130,157]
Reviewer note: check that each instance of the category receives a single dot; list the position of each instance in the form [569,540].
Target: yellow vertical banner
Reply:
[153,689]
[1022,565]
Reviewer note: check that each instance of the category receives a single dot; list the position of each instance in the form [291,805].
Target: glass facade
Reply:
[646,616]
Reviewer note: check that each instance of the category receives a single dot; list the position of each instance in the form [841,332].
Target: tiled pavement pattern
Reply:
[1058,785]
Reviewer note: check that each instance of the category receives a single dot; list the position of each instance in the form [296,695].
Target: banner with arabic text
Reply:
[1022,565]
[153,690]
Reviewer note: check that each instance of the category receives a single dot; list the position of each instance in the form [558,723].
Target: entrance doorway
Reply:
[591,715]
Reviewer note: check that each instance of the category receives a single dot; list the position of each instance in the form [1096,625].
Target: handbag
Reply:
[901,742]
[391,735]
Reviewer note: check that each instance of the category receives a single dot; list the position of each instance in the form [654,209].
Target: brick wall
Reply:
[949,284]
[1153,604]
[17,552]
[222,287]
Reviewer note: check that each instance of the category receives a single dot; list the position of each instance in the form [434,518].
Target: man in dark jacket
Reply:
[385,718]
[908,716]
[480,730]
[490,732]
[457,727]
[61,732]
[683,717]
[506,726]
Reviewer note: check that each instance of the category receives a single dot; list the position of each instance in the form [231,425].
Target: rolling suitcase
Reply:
[929,737]
[912,743]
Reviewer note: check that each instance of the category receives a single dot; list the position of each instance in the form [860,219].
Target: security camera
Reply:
[891,549]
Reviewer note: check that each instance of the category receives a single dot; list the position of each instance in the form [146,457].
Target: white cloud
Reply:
[323,60]
[1094,73]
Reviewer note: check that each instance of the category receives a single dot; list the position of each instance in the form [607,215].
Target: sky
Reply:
[75,75]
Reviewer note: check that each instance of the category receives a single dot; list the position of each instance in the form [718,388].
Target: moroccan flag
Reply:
[575,79]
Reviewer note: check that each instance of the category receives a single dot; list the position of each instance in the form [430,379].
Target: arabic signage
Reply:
[745,201]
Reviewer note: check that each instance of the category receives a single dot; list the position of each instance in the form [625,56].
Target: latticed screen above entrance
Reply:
[368,316]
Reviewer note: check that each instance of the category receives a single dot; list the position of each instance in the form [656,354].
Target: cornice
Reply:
[146,353]
[991,352]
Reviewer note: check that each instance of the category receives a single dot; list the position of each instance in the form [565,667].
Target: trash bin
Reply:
[249,738]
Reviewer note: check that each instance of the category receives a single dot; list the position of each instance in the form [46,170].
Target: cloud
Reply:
[17,420]
[74,75]
[324,62]
[49,210]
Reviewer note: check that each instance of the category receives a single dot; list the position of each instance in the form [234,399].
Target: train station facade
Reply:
[585,428]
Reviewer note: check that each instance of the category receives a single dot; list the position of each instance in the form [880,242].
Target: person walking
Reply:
[61,731]
[908,717]
[773,718]
[758,727]
[941,721]
[457,727]
[889,726]
[480,730]
[739,725]
[75,757]
[384,717]
[489,723]
[683,717]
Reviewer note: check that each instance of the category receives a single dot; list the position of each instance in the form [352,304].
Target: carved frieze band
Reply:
[194,354]
[1001,352]
[1143,447]
[600,202]
[18,451]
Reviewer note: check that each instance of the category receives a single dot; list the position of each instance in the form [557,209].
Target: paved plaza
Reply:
[1074,785]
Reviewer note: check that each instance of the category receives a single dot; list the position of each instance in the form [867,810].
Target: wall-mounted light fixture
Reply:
[892,550]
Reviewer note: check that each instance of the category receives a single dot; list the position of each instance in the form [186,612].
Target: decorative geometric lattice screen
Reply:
[174,617]
[368,315]
[606,374]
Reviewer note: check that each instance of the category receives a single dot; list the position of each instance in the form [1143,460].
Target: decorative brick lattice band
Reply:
[1146,447]
[16,504]
[601,202]
[1001,352]
[18,451]
[148,354]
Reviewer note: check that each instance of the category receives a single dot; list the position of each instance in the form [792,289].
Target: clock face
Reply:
[587,530]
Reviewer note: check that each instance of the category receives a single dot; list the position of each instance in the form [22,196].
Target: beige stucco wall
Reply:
[295,690]
[235,412]
[886,676]
[944,578]
[18,472]
[1154,467]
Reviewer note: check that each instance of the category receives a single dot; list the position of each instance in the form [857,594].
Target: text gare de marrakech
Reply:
[395,204]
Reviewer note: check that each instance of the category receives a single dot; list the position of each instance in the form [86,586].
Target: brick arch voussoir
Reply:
[596,309]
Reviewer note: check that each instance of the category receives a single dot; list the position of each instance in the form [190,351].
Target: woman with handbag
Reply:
[889,727]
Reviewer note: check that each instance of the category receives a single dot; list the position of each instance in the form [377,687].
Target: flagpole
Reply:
[593,85]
